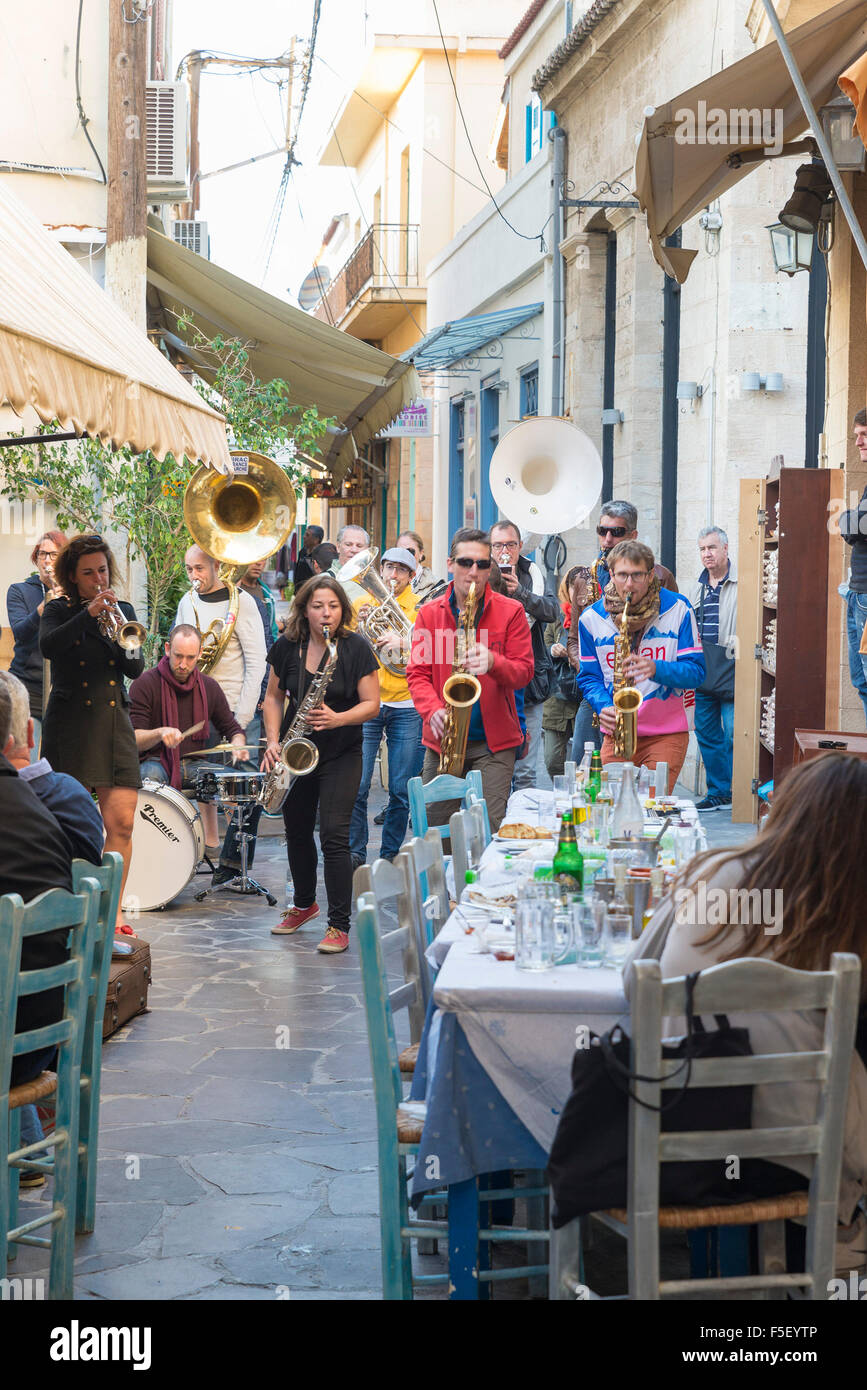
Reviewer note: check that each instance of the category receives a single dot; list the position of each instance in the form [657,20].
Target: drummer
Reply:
[175,710]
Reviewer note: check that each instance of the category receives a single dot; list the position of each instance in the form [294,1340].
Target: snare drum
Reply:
[238,788]
[167,843]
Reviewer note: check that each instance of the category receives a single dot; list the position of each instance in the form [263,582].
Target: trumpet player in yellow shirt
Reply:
[397,720]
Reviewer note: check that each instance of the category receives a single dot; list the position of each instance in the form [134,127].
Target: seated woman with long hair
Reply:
[809,865]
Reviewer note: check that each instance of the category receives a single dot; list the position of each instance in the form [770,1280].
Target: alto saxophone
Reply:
[595,586]
[460,692]
[627,698]
[298,754]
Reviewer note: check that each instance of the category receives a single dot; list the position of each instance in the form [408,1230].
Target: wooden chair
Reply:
[441,788]
[108,875]
[467,834]
[393,889]
[744,986]
[482,809]
[429,876]
[50,912]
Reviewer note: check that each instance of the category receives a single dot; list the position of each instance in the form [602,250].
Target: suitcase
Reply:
[127,995]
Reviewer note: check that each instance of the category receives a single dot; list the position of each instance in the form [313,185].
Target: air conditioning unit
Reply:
[168,179]
[193,235]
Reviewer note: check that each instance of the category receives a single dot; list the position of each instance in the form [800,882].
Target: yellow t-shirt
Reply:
[393,689]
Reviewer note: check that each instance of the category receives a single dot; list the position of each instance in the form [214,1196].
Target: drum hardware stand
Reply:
[242,882]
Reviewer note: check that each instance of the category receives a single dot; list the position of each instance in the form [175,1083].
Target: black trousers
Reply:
[333,787]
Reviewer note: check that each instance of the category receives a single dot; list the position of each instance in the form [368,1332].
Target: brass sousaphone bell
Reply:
[237,520]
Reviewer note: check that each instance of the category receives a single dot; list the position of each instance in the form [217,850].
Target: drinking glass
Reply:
[599,813]
[589,920]
[684,844]
[562,795]
[617,937]
[570,771]
[536,939]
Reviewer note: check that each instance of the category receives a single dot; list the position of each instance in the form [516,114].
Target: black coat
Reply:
[542,608]
[22,601]
[34,856]
[86,730]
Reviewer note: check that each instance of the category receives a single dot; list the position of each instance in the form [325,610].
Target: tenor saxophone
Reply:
[460,692]
[627,698]
[298,754]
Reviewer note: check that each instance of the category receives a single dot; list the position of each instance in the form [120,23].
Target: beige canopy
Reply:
[344,377]
[70,354]
[676,176]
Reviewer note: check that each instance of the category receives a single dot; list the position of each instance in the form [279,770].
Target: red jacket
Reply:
[502,628]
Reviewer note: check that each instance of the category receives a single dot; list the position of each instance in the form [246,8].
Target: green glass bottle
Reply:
[594,781]
[568,864]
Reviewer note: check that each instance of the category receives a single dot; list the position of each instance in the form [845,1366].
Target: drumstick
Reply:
[194,730]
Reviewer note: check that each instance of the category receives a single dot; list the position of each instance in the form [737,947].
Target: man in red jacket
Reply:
[501,657]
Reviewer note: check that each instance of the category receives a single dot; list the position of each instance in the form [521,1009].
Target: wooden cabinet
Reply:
[789,517]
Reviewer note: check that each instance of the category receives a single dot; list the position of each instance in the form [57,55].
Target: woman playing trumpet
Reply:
[86,729]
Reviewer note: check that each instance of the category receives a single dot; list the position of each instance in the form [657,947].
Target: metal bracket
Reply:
[754,786]
[597,203]
[757,650]
[761,516]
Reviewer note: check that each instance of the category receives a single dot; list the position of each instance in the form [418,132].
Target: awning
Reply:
[463,337]
[342,376]
[70,354]
[676,177]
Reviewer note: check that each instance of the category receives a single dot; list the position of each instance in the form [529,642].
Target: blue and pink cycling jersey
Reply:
[671,641]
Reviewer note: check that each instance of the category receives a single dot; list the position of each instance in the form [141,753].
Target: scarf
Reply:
[641,614]
[169,688]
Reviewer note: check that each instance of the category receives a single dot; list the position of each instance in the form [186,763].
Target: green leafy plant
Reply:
[137,499]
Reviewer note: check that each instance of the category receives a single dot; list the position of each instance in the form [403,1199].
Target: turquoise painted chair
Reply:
[108,875]
[50,912]
[392,886]
[474,800]
[442,788]
[429,877]
[399,1124]
[467,832]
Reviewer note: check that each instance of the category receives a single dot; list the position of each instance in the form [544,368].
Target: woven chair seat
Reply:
[409,1127]
[29,1092]
[408,1058]
[783,1208]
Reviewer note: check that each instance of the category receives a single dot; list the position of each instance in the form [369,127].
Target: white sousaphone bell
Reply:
[546,475]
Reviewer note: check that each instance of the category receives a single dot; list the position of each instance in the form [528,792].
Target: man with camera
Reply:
[523,581]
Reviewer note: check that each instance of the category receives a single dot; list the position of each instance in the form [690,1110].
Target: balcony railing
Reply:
[385,258]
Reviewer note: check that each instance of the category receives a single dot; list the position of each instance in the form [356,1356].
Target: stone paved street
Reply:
[237,1149]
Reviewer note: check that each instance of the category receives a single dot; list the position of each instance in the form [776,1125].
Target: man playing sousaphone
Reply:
[397,718]
[501,657]
[665,660]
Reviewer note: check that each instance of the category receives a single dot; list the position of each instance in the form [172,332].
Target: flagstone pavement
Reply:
[237,1140]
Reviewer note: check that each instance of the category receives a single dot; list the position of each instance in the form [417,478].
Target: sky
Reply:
[244,115]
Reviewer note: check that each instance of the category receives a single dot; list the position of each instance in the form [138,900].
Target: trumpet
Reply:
[117,627]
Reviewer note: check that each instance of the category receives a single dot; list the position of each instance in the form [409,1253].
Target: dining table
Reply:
[495,1058]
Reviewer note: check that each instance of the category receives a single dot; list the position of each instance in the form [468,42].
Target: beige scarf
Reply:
[641,613]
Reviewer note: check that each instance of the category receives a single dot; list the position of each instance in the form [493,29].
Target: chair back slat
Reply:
[479,807]
[392,887]
[742,986]
[444,787]
[403,998]
[467,834]
[747,1071]
[387,1085]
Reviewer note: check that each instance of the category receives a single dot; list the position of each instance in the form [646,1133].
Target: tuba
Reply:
[627,699]
[460,692]
[237,520]
[546,475]
[387,619]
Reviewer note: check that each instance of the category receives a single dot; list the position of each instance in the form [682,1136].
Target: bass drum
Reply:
[167,843]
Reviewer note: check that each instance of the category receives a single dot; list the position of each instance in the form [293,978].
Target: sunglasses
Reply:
[466,563]
[617,531]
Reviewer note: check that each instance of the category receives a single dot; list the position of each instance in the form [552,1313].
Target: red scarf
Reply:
[169,685]
[567,615]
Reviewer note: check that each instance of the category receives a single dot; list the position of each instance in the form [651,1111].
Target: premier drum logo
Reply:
[148,813]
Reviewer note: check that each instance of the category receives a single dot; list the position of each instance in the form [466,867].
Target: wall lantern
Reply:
[846,147]
[792,251]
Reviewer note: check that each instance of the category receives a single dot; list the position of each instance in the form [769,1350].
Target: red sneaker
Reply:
[333,942]
[295,918]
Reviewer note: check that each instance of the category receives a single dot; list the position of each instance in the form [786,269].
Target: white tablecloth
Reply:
[522,1026]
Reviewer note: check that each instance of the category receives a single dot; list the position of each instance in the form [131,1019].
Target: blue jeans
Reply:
[584,731]
[856,615]
[714,729]
[402,728]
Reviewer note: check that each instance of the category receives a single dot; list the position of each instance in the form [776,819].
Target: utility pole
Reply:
[126,220]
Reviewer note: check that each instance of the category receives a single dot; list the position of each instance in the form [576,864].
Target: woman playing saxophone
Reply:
[297,659]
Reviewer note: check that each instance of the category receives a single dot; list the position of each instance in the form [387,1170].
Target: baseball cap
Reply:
[402,557]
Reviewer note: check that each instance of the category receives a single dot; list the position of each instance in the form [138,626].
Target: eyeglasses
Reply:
[506,545]
[617,531]
[47,554]
[623,575]
[466,563]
